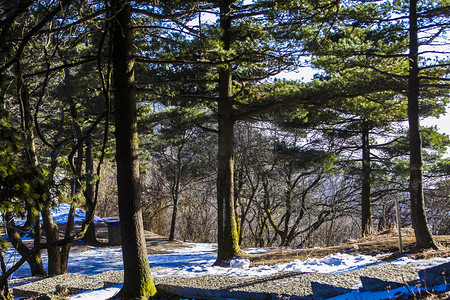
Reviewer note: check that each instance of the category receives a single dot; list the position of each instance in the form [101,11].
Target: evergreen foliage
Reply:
[19,184]
[196,94]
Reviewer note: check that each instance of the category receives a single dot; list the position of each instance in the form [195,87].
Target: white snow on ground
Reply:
[422,263]
[335,263]
[184,266]
[256,250]
[99,294]
[197,260]
[384,295]
[60,214]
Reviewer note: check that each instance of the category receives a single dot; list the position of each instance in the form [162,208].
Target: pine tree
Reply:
[137,279]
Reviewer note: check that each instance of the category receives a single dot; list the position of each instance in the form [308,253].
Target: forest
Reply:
[257,123]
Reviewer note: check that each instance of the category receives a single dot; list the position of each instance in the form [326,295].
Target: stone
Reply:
[173,292]
[62,289]
[435,275]
[325,291]
[375,284]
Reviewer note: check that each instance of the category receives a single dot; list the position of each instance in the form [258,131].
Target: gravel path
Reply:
[294,284]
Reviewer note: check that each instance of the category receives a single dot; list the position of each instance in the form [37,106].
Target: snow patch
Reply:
[256,251]
[61,213]
[334,263]
[240,263]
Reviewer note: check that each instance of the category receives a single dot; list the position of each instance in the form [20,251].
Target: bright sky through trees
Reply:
[307,73]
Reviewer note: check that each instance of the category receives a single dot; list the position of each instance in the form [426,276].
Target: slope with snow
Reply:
[197,259]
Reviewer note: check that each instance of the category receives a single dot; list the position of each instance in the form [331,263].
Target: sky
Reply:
[306,74]
[442,123]
[196,259]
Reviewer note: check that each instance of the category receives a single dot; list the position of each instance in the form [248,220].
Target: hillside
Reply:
[180,267]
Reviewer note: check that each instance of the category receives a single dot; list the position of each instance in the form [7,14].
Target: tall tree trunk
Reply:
[52,235]
[227,238]
[238,208]
[65,249]
[30,148]
[424,239]
[366,201]
[175,193]
[137,280]
[288,211]
[76,187]
[174,219]
[90,191]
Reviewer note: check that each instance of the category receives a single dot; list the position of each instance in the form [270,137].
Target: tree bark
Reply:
[137,280]
[4,287]
[424,239]
[52,235]
[227,238]
[76,186]
[288,210]
[175,191]
[65,249]
[90,191]
[366,201]
[35,260]
[30,149]
[174,219]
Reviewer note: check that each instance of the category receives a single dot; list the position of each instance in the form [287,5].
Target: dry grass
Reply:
[385,245]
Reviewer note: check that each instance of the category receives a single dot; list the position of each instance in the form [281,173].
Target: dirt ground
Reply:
[156,244]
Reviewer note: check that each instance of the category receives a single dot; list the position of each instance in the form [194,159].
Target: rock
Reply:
[375,284]
[435,275]
[62,289]
[325,291]
[24,293]
[169,291]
